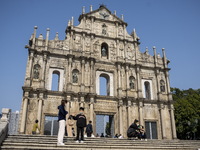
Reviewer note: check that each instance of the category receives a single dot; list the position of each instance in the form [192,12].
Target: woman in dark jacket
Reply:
[133,130]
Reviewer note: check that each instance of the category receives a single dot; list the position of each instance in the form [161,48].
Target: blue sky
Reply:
[172,24]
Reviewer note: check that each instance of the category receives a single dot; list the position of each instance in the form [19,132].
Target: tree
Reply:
[187,113]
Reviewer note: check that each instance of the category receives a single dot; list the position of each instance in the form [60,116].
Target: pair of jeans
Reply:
[80,130]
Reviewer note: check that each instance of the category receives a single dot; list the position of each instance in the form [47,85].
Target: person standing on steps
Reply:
[35,127]
[89,129]
[80,123]
[70,124]
[62,122]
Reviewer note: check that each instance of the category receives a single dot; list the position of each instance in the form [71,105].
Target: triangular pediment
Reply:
[104,14]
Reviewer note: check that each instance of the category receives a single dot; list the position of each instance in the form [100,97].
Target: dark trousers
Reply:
[89,134]
[80,130]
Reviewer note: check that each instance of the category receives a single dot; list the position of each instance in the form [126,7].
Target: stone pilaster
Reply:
[92,75]
[39,113]
[141,112]
[174,136]
[129,112]
[24,113]
[120,117]
[29,68]
[82,75]
[139,89]
[157,73]
[162,116]
[92,109]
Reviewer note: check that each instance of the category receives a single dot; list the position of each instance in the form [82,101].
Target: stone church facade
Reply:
[137,83]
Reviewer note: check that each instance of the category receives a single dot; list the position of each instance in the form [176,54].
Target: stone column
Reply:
[47,39]
[141,112]
[30,65]
[92,24]
[118,53]
[92,76]
[82,75]
[39,114]
[162,107]
[42,84]
[127,77]
[119,80]
[138,82]
[82,102]
[34,36]
[92,109]
[125,49]
[120,117]
[69,71]
[129,112]
[117,30]
[157,83]
[167,84]
[174,136]
[83,43]
[82,70]
[67,106]
[24,113]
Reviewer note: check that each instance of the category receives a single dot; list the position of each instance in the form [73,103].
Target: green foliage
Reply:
[187,113]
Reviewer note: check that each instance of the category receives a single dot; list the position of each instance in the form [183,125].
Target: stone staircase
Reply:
[16,142]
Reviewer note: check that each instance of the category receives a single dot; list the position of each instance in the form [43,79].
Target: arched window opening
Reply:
[104,50]
[162,86]
[132,82]
[36,71]
[104,85]
[75,74]
[147,90]
[55,81]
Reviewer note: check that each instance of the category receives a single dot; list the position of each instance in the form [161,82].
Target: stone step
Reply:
[15,142]
[88,146]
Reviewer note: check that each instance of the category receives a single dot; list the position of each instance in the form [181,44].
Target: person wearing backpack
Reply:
[89,130]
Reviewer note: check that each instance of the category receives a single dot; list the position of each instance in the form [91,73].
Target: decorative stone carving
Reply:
[104,29]
[87,44]
[66,45]
[78,45]
[104,14]
[88,24]
[120,33]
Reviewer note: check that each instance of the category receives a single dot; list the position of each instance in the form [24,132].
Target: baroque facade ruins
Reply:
[137,83]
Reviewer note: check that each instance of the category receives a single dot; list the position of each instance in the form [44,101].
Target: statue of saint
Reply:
[75,77]
[36,71]
[104,51]
[131,84]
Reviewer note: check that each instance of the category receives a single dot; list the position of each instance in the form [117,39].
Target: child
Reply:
[89,130]
[81,123]
[142,132]
[35,127]
[62,122]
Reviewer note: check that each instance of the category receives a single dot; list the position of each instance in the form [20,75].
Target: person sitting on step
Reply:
[133,130]
[142,133]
